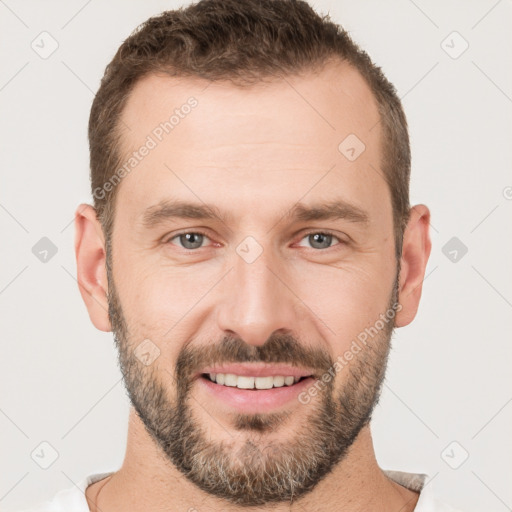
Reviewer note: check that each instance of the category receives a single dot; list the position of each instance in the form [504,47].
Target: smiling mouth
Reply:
[252,383]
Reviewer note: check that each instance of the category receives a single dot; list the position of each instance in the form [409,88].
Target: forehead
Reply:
[269,141]
[332,101]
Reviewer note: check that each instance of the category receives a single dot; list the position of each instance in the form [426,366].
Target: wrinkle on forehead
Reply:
[290,110]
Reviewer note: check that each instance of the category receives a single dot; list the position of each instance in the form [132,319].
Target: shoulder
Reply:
[71,499]
[420,482]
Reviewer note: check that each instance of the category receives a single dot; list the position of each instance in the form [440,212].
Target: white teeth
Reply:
[278,382]
[264,382]
[246,382]
[230,380]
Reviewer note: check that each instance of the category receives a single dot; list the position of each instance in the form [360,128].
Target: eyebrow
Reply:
[170,209]
[177,209]
[332,210]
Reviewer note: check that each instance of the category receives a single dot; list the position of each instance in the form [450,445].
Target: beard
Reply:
[261,470]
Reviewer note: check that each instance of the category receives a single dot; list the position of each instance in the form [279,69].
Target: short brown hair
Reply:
[244,41]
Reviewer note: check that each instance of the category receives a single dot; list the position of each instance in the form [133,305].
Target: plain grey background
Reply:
[446,405]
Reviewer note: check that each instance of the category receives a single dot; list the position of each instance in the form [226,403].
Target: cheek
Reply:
[163,303]
[343,302]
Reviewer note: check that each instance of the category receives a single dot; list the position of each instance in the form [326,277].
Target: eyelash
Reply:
[323,232]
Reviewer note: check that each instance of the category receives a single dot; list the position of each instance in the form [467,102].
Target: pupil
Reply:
[188,240]
[319,236]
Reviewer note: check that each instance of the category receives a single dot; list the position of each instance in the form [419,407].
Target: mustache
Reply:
[281,348]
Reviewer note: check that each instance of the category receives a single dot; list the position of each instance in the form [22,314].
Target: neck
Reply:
[148,481]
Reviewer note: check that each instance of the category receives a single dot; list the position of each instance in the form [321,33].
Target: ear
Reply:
[415,253]
[91,265]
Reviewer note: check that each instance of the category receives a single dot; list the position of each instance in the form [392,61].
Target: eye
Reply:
[190,240]
[321,239]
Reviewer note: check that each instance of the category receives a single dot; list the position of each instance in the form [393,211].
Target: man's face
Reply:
[258,291]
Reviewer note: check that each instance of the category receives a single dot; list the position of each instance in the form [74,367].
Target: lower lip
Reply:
[255,400]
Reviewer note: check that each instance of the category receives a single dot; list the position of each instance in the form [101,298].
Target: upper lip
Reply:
[257,370]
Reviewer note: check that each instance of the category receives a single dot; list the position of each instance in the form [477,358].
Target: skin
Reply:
[253,153]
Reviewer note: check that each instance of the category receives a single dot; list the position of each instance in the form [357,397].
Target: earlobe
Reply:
[91,265]
[415,253]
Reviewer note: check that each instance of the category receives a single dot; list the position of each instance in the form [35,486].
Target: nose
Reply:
[256,300]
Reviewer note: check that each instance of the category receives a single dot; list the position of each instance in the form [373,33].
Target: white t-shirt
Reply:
[73,498]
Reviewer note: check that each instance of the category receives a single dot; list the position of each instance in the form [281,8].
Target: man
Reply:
[252,247]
